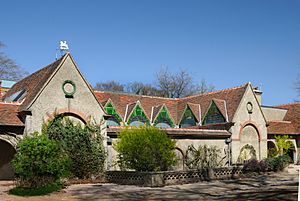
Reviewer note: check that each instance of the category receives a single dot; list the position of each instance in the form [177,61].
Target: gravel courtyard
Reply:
[281,186]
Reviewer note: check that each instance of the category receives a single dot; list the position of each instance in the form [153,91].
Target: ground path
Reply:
[281,186]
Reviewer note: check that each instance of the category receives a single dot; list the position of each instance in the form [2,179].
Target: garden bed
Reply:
[158,179]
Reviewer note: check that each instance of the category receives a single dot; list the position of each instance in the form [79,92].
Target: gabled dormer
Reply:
[216,113]
[136,115]
[161,117]
[115,118]
[188,118]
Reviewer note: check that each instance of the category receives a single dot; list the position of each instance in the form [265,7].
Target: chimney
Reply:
[258,94]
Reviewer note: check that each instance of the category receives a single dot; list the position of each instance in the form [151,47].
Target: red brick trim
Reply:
[67,111]
[252,123]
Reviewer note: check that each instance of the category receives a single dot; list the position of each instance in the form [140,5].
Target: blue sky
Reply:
[227,42]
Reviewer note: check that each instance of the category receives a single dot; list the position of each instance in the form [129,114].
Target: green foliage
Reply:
[202,158]
[254,165]
[269,164]
[283,143]
[273,152]
[83,144]
[39,161]
[43,190]
[145,148]
[277,163]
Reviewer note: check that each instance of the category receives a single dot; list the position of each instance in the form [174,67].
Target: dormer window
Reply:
[15,97]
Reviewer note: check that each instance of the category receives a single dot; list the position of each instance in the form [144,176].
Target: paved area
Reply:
[281,186]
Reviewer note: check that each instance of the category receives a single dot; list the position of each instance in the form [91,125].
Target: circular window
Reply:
[249,107]
[69,88]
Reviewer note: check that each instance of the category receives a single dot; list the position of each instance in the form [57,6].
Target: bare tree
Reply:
[180,84]
[204,87]
[8,67]
[142,89]
[109,86]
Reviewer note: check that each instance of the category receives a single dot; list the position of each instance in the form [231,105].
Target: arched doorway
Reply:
[249,143]
[180,157]
[291,152]
[7,152]
[272,149]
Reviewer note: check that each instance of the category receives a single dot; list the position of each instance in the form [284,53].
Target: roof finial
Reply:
[63,48]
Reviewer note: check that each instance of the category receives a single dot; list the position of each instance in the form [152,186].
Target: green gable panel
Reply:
[164,117]
[109,108]
[213,115]
[188,118]
[138,115]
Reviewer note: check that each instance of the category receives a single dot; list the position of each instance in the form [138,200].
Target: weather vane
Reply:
[63,48]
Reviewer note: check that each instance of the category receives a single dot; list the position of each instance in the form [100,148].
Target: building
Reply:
[232,119]
[5,85]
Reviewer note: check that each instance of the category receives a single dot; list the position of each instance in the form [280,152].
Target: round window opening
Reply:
[249,107]
[69,88]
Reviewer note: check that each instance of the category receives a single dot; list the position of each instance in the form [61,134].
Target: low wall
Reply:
[158,179]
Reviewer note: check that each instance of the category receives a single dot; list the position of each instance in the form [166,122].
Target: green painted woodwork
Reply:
[138,114]
[109,108]
[71,93]
[188,118]
[213,115]
[164,117]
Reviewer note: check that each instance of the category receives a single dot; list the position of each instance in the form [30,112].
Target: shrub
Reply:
[269,164]
[49,188]
[254,165]
[202,158]
[39,161]
[145,148]
[277,163]
[83,144]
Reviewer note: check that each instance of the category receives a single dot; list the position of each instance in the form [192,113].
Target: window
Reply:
[213,115]
[138,117]
[163,119]
[188,118]
[115,118]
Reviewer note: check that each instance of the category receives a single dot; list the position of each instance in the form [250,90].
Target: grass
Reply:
[36,191]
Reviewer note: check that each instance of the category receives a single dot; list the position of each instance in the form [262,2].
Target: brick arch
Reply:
[254,125]
[66,111]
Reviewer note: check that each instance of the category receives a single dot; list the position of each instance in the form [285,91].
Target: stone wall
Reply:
[159,179]
[243,118]
[83,105]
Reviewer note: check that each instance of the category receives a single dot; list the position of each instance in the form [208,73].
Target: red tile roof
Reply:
[34,83]
[281,127]
[176,107]
[9,114]
[290,123]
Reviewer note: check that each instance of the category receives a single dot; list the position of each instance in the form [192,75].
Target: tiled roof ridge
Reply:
[183,98]
[286,104]
[217,91]
[130,94]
